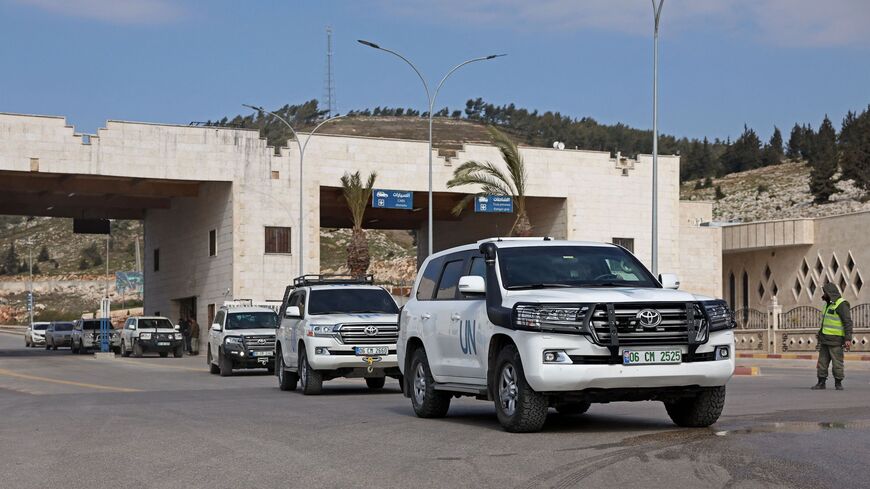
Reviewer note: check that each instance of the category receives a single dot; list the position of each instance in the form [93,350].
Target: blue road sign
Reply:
[493,203]
[392,199]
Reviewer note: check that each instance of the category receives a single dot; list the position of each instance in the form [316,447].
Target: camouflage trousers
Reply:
[827,354]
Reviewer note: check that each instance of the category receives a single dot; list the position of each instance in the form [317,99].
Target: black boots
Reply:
[821,384]
[838,384]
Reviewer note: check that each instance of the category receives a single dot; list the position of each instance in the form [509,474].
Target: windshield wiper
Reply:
[369,312]
[607,284]
[539,286]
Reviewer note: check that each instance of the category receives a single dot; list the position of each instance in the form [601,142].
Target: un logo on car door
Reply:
[468,340]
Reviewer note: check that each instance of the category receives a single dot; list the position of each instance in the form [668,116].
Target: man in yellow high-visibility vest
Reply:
[835,336]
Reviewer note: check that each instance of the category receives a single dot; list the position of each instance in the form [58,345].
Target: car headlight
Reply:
[144,336]
[320,330]
[179,336]
[556,318]
[234,340]
[719,315]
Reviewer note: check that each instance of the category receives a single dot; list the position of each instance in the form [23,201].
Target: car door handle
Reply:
[455,316]
[425,315]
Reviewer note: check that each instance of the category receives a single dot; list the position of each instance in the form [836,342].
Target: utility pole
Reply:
[329,96]
[657,11]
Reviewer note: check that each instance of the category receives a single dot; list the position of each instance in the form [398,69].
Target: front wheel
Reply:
[72,348]
[179,352]
[124,351]
[519,408]
[699,411]
[225,364]
[427,402]
[311,380]
[286,380]
[212,368]
[376,383]
[137,349]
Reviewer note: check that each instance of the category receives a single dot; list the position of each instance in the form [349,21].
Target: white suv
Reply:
[143,334]
[242,336]
[535,323]
[334,327]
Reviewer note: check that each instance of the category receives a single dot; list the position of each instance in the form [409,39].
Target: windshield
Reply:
[93,325]
[155,323]
[351,301]
[571,266]
[40,326]
[252,320]
[63,327]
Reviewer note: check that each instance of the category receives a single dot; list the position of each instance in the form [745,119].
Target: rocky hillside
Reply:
[773,192]
[394,254]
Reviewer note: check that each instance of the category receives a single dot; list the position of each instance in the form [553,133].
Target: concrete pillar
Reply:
[773,312]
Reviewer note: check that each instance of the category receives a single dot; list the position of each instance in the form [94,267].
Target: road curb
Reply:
[741,370]
[860,357]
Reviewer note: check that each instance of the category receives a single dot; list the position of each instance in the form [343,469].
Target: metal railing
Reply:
[748,318]
[800,317]
[861,316]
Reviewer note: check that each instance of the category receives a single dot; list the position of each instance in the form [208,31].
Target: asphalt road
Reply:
[69,421]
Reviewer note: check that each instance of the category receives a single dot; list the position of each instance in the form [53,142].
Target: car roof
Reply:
[522,243]
[150,317]
[342,286]
[236,309]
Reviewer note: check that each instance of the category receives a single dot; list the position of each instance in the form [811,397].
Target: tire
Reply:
[426,401]
[137,350]
[700,411]
[164,354]
[519,408]
[47,347]
[178,352]
[124,351]
[286,380]
[54,347]
[26,343]
[212,368]
[73,349]
[225,365]
[573,408]
[376,383]
[311,380]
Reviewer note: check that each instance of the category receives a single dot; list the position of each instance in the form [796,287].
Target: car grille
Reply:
[163,336]
[673,329]
[355,334]
[260,343]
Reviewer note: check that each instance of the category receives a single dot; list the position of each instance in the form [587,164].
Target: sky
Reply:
[722,63]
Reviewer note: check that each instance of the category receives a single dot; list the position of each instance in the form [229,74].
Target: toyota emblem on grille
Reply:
[371,331]
[261,341]
[649,318]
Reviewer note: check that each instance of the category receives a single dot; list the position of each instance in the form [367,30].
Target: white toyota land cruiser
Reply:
[241,335]
[336,327]
[535,323]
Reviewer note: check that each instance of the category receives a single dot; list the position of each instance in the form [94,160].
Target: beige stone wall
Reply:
[700,271]
[838,241]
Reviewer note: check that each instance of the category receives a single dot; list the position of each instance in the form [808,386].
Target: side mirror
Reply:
[132,326]
[472,284]
[216,327]
[292,312]
[177,327]
[669,280]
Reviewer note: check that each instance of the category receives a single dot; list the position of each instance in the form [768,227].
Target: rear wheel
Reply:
[286,380]
[700,411]
[212,368]
[427,402]
[225,365]
[375,383]
[311,380]
[519,408]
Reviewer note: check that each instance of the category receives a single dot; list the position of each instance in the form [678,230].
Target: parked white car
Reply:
[336,327]
[535,323]
[143,334]
[35,334]
[242,337]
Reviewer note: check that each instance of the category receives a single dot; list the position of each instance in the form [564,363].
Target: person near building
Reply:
[835,337]
[185,332]
[194,336]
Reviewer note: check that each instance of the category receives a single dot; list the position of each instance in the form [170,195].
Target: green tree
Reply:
[744,154]
[43,255]
[10,261]
[492,180]
[357,195]
[855,148]
[772,153]
[92,254]
[795,142]
[823,160]
[719,193]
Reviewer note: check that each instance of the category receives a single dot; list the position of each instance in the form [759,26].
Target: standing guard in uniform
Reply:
[835,337]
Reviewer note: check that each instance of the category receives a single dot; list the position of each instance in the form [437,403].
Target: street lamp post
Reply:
[657,12]
[302,146]
[430,99]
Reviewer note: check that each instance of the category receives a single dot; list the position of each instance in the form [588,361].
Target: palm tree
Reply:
[492,180]
[357,196]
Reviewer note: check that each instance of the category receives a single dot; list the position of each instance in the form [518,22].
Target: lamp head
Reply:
[368,43]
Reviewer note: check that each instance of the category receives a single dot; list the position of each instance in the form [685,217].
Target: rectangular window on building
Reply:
[627,243]
[277,240]
[156,259]
[212,243]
